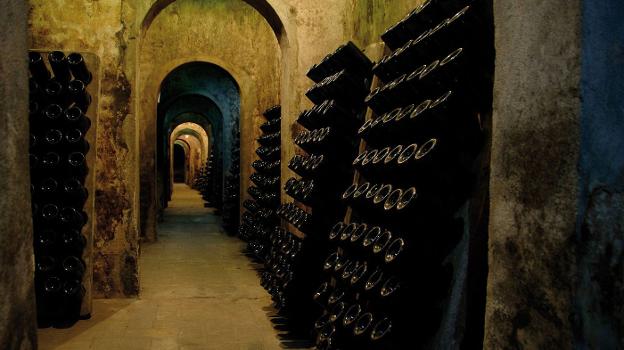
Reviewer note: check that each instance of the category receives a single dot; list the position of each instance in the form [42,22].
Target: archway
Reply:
[199,141]
[256,40]
[180,154]
[206,96]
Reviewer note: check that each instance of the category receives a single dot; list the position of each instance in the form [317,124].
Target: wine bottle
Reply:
[72,293]
[52,138]
[75,118]
[75,192]
[77,163]
[79,68]
[272,125]
[60,66]
[335,232]
[52,114]
[73,242]
[359,277]
[346,56]
[362,327]
[270,139]
[49,302]
[381,335]
[45,243]
[75,141]
[72,217]
[321,295]
[73,267]
[49,214]
[37,67]
[78,94]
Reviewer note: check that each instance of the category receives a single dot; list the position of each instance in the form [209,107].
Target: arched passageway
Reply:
[208,96]
[179,162]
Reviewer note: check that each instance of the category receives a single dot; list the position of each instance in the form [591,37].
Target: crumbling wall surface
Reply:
[106,28]
[534,178]
[366,20]
[17,296]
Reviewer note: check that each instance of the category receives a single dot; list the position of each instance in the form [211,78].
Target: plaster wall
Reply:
[17,296]
[534,177]
[230,34]
[366,20]
[108,29]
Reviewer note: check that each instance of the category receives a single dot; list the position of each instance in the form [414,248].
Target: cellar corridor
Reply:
[311,174]
[198,292]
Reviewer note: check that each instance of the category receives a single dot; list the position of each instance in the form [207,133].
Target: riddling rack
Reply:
[387,275]
[260,219]
[58,166]
[342,81]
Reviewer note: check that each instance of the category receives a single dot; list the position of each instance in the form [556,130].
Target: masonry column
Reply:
[534,179]
[17,299]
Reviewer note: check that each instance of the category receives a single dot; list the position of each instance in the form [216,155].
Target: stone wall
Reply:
[534,177]
[17,295]
[105,28]
[230,34]
[368,19]
[555,247]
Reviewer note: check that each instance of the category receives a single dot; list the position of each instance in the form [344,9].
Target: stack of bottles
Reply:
[58,166]
[388,278]
[206,180]
[231,194]
[259,219]
[342,81]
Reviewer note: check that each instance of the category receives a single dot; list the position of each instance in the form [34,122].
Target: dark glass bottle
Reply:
[72,293]
[72,217]
[77,163]
[75,141]
[79,68]
[72,242]
[322,294]
[37,67]
[73,267]
[346,56]
[52,138]
[78,93]
[45,243]
[52,114]
[75,118]
[60,66]
[75,192]
[49,301]
[49,213]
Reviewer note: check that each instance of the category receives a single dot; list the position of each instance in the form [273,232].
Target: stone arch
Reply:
[262,6]
[151,74]
[193,156]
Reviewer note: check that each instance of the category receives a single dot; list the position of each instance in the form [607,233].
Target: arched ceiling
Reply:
[200,78]
[262,6]
[195,131]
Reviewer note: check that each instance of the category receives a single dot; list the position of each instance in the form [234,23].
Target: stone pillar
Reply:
[534,178]
[17,298]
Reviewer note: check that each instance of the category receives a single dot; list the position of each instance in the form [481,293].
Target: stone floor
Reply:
[197,292]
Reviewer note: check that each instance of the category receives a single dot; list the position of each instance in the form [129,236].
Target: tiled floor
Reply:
[198,292]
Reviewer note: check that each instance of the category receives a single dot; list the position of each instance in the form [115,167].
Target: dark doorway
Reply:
[179,164]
